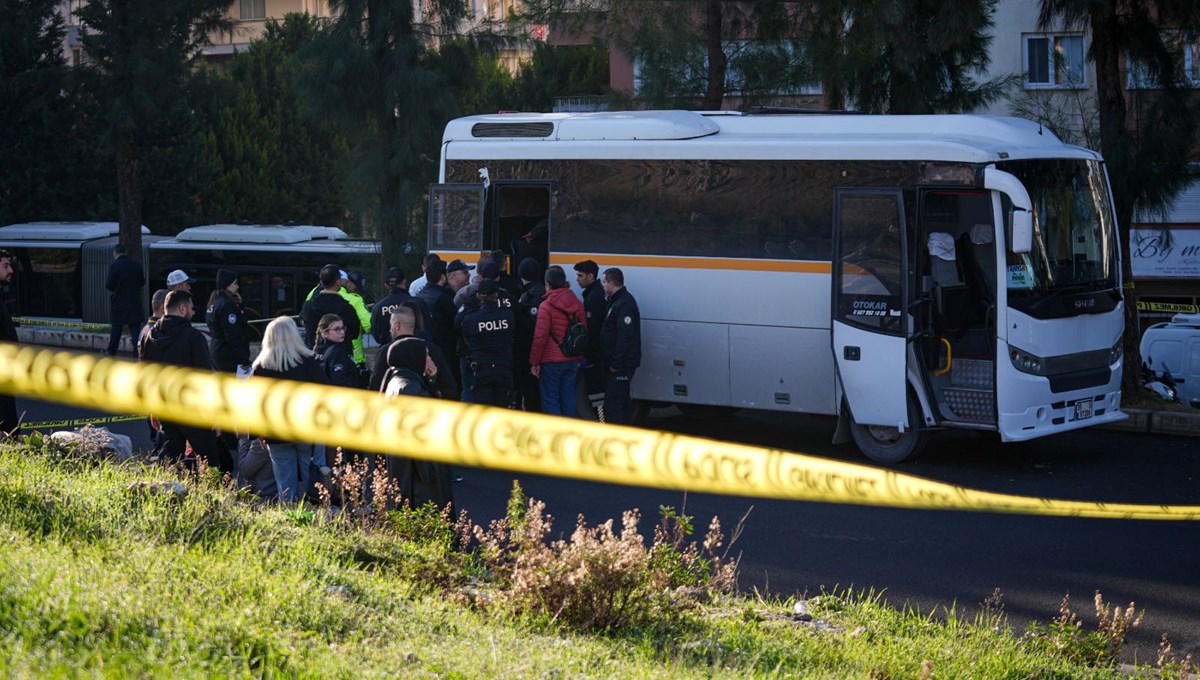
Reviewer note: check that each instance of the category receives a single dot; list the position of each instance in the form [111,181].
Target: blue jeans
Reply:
[291,464]
[558,388]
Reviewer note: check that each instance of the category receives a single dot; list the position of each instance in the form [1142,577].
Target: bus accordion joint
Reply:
[943,370]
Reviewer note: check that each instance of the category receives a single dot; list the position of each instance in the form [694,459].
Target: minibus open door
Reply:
[870,324]
[456,220]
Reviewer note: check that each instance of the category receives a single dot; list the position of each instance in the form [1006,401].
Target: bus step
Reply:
[976,374]
[975,406]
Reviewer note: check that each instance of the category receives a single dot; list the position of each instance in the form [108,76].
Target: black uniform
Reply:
[127,308]
[329,303]
[9,420]
[381,315]
[340,369]
[621,354]
[594,305]
[230,344]
[489,334]
[445,385]
[527,309]
[174,341]
[439,299]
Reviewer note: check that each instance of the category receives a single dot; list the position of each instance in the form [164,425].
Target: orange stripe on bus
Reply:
[727,263]
[567,260]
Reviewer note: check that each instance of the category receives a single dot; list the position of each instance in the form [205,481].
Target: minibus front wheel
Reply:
[888,445]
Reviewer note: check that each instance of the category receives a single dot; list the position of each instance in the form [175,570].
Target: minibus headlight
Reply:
[1026,362]
[1117,351]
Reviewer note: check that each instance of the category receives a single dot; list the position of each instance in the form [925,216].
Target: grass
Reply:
[99,577]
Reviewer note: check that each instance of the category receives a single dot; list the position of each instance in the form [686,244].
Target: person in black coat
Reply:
[340,369]
[230,343]
[420,482]
[381,312]
[620,346]
[439,299]
[329,301]
[9,420]
[174,341]
[406,322]
[125,281]
[488,330]
[587,275]
[528,389]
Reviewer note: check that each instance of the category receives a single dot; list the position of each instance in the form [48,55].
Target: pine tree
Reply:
[268,161]
[915,56]
[369,72]
[33,107]
[139,56]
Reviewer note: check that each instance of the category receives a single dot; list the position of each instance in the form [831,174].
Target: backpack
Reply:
[575,341]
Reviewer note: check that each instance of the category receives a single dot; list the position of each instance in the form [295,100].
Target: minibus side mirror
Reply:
[1021,239]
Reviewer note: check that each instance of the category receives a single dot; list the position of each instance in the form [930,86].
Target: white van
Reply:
[1174,347]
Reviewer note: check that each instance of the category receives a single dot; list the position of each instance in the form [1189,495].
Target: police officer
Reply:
[488,269]
[488,331]
[528,394]
[230,344]
[620,347]
[381,312]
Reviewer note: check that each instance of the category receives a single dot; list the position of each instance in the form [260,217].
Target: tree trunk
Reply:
[390,226]
[129,196]
[716,56]
[1115,145]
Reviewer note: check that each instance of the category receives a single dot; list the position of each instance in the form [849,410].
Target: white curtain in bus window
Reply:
[869,290]
[456,217]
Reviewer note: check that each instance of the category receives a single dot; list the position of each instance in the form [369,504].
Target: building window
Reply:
[73,7]
[252,9]
[754,68]
[1186,49]
[1054,61]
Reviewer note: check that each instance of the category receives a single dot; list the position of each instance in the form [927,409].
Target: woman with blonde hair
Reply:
[284,357]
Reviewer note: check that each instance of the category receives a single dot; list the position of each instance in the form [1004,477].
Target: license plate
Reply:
[1083,409]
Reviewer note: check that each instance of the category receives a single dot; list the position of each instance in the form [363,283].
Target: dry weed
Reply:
[602,578]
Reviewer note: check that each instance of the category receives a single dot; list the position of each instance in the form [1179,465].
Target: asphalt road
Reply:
[929,560]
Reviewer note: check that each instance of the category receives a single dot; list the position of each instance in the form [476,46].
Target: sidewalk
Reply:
[1176,423]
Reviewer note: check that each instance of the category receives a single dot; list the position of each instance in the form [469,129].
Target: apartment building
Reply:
[250,20]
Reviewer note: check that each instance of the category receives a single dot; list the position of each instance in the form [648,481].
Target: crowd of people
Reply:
[469,332]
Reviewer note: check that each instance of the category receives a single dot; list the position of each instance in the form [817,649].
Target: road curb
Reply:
[1175,423]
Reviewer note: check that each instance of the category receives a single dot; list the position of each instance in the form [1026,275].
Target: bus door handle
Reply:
[943,370]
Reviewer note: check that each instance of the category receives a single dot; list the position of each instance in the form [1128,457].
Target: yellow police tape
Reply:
[26,321]
[77,422]
[473,435]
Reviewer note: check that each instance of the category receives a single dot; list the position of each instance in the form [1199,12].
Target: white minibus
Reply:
[904,273]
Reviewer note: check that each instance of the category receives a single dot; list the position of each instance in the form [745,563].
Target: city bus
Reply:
[62,267]
[903,273]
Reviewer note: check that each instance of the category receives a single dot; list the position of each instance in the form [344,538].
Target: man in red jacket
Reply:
[556,371]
